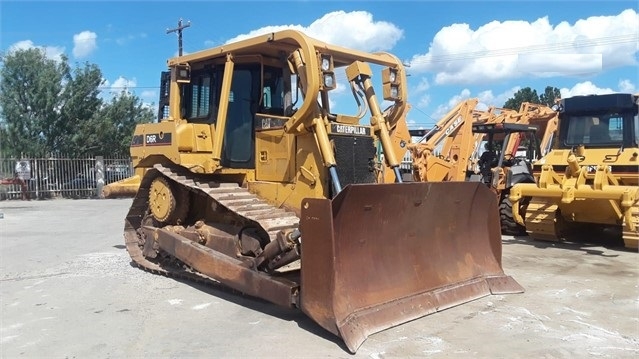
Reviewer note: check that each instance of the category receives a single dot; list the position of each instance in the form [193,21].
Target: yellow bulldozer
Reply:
[251,179]
[590,179]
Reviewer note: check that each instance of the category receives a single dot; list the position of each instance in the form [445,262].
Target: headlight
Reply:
[329,81]
[392,76]
[183,73]
[391,83]
[394,91]
[326,63]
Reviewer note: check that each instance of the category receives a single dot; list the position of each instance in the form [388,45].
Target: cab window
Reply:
[199,97]
[594,130]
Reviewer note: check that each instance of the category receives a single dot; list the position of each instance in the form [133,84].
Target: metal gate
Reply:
[59,177]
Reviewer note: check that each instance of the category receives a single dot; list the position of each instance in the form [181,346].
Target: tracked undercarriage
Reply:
[225,218]
[544,221]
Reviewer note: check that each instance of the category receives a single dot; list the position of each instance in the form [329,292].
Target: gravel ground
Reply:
[68,290]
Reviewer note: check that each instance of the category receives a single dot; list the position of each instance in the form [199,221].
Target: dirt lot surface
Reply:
[68,290]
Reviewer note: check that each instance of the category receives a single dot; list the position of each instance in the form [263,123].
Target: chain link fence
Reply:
[59,177]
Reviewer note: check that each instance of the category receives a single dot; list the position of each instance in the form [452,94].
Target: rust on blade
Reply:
[380,255]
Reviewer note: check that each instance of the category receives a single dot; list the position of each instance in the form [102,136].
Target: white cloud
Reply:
[627,87]
[549,65]
[150,100]
[486,99]
[120,85]
[355,29]
[423,101]
[51,52]
[422,86]
[84,43]
[584,88]
[152,107]
[149,95]
[510,49]
[419,96]
[443,109]
[122,82]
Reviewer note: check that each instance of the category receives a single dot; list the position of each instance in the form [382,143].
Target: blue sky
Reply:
[456,49]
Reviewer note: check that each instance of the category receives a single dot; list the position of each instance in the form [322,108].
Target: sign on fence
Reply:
[23,170]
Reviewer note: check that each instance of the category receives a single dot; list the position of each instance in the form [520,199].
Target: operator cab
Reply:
[503,149]
[232,105]
[257,89]
[603,121]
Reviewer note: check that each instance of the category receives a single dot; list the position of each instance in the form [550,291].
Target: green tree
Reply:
[80,106]
[526,94]
[46,107]
[31,86]
[549,96]
[110,131]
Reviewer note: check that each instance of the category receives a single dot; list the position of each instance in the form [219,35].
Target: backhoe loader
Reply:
[590,179]
[252,180]
[451,150]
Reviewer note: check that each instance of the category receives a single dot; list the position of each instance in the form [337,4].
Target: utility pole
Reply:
[179,32]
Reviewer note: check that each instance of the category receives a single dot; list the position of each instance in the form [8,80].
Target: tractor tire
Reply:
[508,224]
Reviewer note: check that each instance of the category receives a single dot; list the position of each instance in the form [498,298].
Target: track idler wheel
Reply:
[168,202]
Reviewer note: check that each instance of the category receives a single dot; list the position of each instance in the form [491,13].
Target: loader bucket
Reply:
[380,255]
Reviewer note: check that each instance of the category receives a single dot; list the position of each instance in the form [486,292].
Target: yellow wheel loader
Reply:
[591,176]
[251,180]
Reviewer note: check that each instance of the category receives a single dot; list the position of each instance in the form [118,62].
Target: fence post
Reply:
[38,178]
[99,175]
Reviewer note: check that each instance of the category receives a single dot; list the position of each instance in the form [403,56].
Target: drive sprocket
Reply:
[168,202]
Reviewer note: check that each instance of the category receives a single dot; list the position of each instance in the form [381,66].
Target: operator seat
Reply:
[487,161]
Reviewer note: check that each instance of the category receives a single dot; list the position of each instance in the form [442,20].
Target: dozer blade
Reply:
[380,255]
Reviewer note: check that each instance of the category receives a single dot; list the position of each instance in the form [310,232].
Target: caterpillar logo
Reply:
[340,129]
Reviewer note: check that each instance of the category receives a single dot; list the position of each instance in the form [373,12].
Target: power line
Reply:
[427,115]
[594,42]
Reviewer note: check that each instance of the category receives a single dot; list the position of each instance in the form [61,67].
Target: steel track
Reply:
[246,206]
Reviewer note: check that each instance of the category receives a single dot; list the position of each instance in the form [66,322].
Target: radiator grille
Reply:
[355,157]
